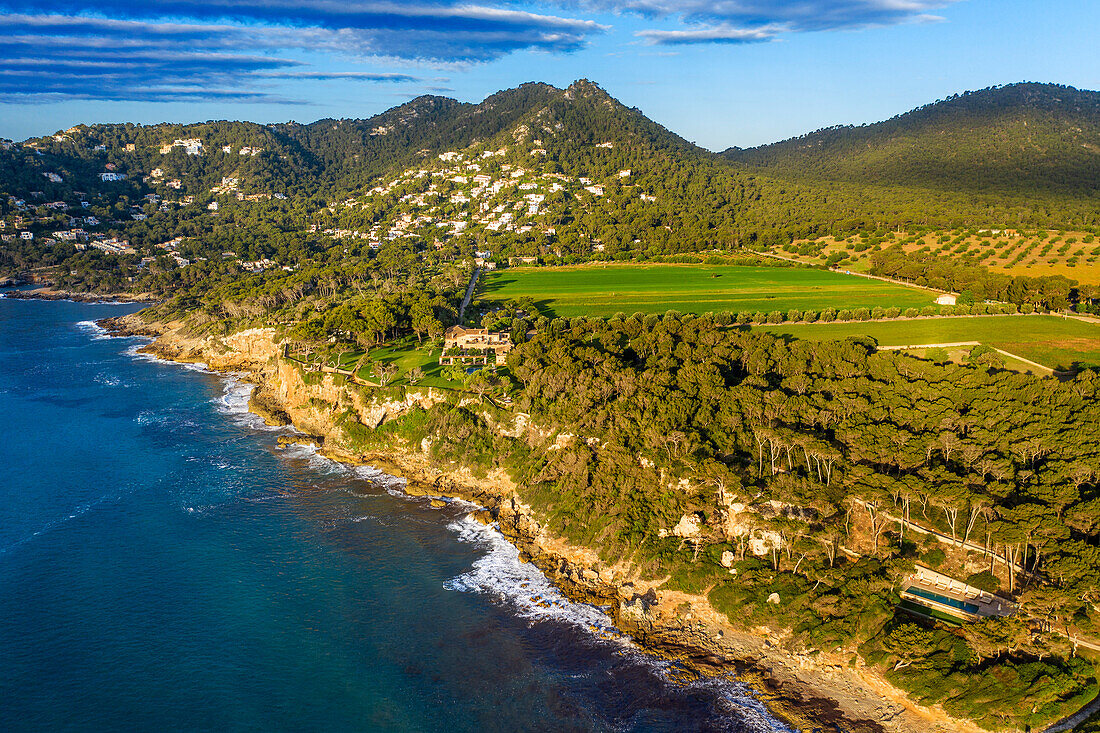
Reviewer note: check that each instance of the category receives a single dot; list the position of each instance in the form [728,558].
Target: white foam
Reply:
[500,573]
[132,351]
[107,380]
[740,702]
[234,404]
[531,595]
[75,513]
[97,332]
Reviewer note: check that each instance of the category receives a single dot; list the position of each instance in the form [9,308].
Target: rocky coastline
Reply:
[819,692]
[50,293]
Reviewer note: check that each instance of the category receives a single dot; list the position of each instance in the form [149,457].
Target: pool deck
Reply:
[958,598]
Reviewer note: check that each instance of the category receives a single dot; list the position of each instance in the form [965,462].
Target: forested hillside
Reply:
[807,448]
[568,175]
[1017,139]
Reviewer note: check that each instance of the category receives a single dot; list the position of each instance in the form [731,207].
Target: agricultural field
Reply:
[1053,341]
[1075,255]
[606,289]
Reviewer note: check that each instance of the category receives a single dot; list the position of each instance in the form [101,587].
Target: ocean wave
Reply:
[739,702]
[500,573]
[132,352]
[233,403]
[75,513]
[171,419]
[393,485]
[96,331]
[528,593]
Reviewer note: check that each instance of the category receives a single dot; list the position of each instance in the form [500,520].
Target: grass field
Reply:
[1056,342]
[603,290]
[405,353]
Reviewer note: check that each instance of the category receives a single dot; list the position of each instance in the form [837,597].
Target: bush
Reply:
[935,557]
[984,580]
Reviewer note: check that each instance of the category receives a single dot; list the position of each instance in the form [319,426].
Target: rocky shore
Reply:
[811,692]
[49,293]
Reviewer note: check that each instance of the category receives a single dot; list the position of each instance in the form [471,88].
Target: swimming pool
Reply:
[944,600]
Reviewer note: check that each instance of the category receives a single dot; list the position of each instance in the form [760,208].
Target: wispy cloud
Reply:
[715,34]
[756,21]
[252,50]
[419,30]
[162,47]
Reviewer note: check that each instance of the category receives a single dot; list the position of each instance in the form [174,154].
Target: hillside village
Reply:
[475,192]
[481,192]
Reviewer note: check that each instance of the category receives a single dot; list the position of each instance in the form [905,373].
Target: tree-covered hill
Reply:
[1021,138]
[562,175]
[354,152]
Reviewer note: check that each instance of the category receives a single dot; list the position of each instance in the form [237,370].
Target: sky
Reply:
[718,72]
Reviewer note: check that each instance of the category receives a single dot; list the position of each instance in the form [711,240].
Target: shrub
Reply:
[984,580]
[935,557]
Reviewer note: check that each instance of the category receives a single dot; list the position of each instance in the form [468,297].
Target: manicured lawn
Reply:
[603,290]
[407,354]
[1056,342]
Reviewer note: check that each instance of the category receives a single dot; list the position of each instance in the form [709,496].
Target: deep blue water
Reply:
[165,565]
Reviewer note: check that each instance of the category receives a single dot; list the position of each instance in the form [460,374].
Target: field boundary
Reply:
[954,344]
[858,274]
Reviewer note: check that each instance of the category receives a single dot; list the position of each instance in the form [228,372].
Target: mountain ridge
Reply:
[999,139]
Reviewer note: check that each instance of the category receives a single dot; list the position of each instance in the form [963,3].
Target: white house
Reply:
[947,299]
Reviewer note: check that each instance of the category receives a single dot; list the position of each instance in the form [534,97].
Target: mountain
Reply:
[1020,138]
[602,180]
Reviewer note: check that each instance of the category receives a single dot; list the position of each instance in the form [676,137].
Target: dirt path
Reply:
[469,294]
[956,344]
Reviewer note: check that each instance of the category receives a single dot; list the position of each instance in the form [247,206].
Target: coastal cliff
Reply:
[812,692]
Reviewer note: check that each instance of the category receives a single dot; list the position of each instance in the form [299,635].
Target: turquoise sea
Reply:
[166,566]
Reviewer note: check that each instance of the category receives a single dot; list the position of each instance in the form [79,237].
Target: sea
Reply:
[167,565]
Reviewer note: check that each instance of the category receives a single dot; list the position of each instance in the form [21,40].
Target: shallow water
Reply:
[165,564]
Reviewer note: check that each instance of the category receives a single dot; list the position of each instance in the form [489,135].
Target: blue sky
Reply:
[718,72]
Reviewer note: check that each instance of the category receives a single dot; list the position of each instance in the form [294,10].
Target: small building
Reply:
[947,299]
[473,346]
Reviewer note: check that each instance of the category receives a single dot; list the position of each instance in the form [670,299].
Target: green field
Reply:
[405,354]
[603,290]
[1056,342]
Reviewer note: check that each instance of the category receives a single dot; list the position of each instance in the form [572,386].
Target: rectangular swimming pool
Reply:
[929,595]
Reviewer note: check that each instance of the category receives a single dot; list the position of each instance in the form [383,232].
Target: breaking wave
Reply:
[528,593]
[96,331]
[501,574]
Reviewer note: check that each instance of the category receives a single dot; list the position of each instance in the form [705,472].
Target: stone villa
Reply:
[473,346]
